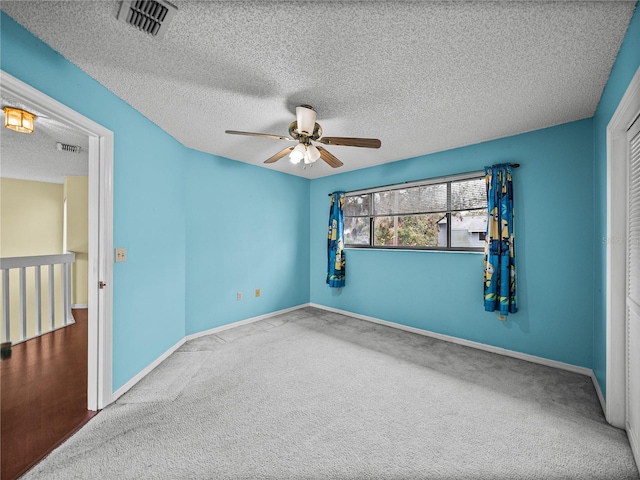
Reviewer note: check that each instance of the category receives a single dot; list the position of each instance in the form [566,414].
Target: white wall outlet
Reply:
[239,296]
[121,255]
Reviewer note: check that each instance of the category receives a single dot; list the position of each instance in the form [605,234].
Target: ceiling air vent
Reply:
[65,147]
[150,16]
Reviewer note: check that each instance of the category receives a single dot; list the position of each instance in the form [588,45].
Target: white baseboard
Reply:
[460,341]
[603,403]
[243,322]
[79,305]
[468,343]
[127,386]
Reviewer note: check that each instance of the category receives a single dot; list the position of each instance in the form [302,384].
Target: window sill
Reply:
[416,250]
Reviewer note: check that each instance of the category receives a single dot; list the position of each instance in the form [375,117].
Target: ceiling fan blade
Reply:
[279,155]
[265,135]
[329,158]
[351,142]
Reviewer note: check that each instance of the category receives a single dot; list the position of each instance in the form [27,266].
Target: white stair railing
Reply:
[40,327]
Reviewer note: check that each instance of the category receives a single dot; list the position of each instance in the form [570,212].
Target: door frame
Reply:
[99,386]
[617,165]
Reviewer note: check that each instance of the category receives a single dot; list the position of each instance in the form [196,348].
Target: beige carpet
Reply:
[317,395]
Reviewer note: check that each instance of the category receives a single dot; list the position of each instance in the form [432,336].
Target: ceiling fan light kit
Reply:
[312,155]
[297,154]
[305,130]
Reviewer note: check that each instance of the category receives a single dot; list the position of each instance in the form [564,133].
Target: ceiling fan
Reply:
[305,130]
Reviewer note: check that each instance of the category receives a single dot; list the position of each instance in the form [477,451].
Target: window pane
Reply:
[415,215]
[356,230]
[410,230]
[433,198]
[468,228]
[428,198]
[384,202]
[357,205]
[468,194]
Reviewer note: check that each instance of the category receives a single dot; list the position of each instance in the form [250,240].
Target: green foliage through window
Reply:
[441,214]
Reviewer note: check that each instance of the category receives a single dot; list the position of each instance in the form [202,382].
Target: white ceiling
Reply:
[35,156]
[420,76]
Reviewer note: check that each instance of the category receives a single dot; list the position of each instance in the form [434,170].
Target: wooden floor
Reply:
[43,395]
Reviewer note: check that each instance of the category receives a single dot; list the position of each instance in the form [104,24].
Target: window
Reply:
[448,213]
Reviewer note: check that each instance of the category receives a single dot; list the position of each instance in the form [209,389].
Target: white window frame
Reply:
[418,183]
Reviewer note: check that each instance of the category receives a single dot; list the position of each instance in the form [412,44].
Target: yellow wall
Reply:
[76,192]
[31,219]
[31,222]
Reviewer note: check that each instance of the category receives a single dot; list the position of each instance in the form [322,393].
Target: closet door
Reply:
[633,291]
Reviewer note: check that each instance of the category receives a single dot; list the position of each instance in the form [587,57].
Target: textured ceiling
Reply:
[420,76]
[35,156]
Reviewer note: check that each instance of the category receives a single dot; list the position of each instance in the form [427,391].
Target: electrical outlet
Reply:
[121,255]
[239,296]
[257,292]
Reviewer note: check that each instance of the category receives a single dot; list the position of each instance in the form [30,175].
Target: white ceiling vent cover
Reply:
[150,16]
[65,147]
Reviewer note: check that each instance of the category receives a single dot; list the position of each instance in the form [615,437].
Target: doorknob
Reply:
[101,285]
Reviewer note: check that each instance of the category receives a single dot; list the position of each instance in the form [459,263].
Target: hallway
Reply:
[43,395]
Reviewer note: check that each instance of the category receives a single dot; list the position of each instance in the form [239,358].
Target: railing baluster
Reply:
[23,303]
[65,291]
[38,302]
[35,325]
[69,286]
[52,301]
[6,311]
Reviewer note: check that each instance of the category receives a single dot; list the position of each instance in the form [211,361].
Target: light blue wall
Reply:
[199,228]
[166,197]
[148,210]
[623,70]
[442,291]
[149,221]
[247,229]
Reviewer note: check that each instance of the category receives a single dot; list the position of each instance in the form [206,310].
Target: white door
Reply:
[633,291]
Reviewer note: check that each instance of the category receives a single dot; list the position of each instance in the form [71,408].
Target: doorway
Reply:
[100,255]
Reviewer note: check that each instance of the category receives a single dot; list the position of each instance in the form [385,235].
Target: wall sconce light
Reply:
[18,120]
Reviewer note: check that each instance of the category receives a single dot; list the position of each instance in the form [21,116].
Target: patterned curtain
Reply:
[499,247]
[335,242]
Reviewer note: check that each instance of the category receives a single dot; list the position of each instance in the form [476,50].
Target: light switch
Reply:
[121,255]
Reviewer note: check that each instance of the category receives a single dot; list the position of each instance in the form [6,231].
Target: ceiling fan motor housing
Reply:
[295,133]
[306,118]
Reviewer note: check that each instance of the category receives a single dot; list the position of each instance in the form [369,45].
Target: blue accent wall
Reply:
[246,227]
[442,291]
[148,207]
[624,68]
[198,228]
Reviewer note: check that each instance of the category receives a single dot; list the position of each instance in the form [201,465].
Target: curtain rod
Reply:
[513,165]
